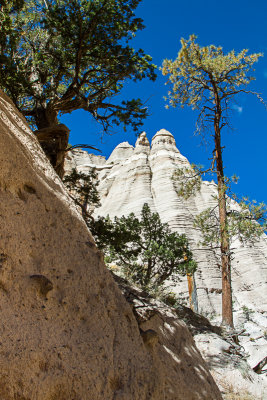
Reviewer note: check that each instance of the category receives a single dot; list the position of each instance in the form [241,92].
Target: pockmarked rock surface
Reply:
[132,176]
[66,332]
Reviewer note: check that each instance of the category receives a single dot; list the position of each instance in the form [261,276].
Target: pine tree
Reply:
[83,190]
[208,80]
[57,56]
[146,249]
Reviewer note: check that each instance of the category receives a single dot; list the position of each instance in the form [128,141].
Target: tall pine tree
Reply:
[208,80]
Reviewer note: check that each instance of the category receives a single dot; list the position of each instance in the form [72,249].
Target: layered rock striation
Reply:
[132,176]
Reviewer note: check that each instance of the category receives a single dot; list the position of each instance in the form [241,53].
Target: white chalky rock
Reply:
[144,175]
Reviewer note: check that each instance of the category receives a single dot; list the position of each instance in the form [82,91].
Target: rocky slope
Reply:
[221,351]
[132,176]
[67,332]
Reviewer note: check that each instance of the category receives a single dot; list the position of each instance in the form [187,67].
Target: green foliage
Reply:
[57,56]
[246,221]
[249,221]
[188,179]
[147,250]
[199,72]
[208,223]
[83,190]
[247,312]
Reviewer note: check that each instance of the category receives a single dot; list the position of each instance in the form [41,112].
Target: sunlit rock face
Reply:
[143,174]
[67,332]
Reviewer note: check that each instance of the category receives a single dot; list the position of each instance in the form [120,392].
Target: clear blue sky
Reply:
[233,24]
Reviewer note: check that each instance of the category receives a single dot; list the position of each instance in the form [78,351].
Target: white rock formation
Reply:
[136,175]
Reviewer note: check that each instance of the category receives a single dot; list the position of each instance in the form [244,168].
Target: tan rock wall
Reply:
[66,331]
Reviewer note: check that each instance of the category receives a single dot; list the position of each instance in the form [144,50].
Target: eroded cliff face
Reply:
[142,174]
[66,331]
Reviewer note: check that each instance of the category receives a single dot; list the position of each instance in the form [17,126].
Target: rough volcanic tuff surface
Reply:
[66,331]
[134,175]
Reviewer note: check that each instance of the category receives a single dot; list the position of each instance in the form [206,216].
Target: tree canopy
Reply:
[200,76]
[83,190]
[145,248]
[59,56]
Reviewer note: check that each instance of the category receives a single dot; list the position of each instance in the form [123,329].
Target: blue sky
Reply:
[232,24]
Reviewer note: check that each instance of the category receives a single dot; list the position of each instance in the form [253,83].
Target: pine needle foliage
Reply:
[145,248]
[198,74]
[83,190]
[246,221]
[188,180]
[57,56]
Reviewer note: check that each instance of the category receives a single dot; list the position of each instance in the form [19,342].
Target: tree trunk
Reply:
[53,137]
[193,303]
[227,311]
[45,117]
